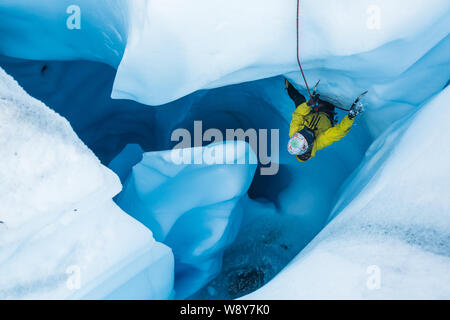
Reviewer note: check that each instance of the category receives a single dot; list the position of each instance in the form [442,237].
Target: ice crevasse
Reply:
[389,232]
[61,226]
[163,51]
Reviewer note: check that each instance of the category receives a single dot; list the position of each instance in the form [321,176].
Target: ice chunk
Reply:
[390,237]
[193,208]
[61,235]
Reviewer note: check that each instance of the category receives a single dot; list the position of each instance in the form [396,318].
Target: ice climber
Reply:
[312,127]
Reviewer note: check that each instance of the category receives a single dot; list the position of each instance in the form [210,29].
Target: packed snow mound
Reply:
[189,198]
[390,237]
[61,235]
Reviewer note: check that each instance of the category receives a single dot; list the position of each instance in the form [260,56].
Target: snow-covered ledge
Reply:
[61,235]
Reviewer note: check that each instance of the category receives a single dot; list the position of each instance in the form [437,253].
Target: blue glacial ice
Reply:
[137,70]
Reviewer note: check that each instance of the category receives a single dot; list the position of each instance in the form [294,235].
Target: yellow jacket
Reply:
[325,134]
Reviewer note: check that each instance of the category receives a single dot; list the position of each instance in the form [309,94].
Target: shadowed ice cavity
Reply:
[191,208]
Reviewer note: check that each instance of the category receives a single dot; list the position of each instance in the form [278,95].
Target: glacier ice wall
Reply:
[164,51]
[389,238]
[184,46]
[61,235]
[180,47]
[43,30]
[107,126]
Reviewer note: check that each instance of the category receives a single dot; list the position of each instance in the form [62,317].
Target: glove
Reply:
[355,110]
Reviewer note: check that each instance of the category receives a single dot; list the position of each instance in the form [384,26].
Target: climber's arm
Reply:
[335,133]
[298,118]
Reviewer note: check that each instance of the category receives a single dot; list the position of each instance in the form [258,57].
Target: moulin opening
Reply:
[274,227]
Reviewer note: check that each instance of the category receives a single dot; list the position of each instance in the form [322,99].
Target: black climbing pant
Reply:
[296,96]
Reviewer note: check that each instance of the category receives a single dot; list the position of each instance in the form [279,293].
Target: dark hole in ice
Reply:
[243,281]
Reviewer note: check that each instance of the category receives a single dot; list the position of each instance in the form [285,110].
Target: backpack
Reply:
[327,108]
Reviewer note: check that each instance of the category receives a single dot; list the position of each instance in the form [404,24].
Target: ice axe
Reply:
[315,95]
[315,88]
[355,102]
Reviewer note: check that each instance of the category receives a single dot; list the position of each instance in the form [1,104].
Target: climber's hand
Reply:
[312,101]
[355,110]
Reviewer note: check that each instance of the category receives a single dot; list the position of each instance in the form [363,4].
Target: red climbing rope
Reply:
[298,49]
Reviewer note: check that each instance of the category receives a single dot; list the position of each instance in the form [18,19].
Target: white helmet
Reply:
[298,144]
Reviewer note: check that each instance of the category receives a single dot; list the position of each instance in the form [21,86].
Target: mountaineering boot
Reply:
[296,96]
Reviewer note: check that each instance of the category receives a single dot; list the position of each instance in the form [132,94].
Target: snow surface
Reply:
[57,216]
[392,220]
